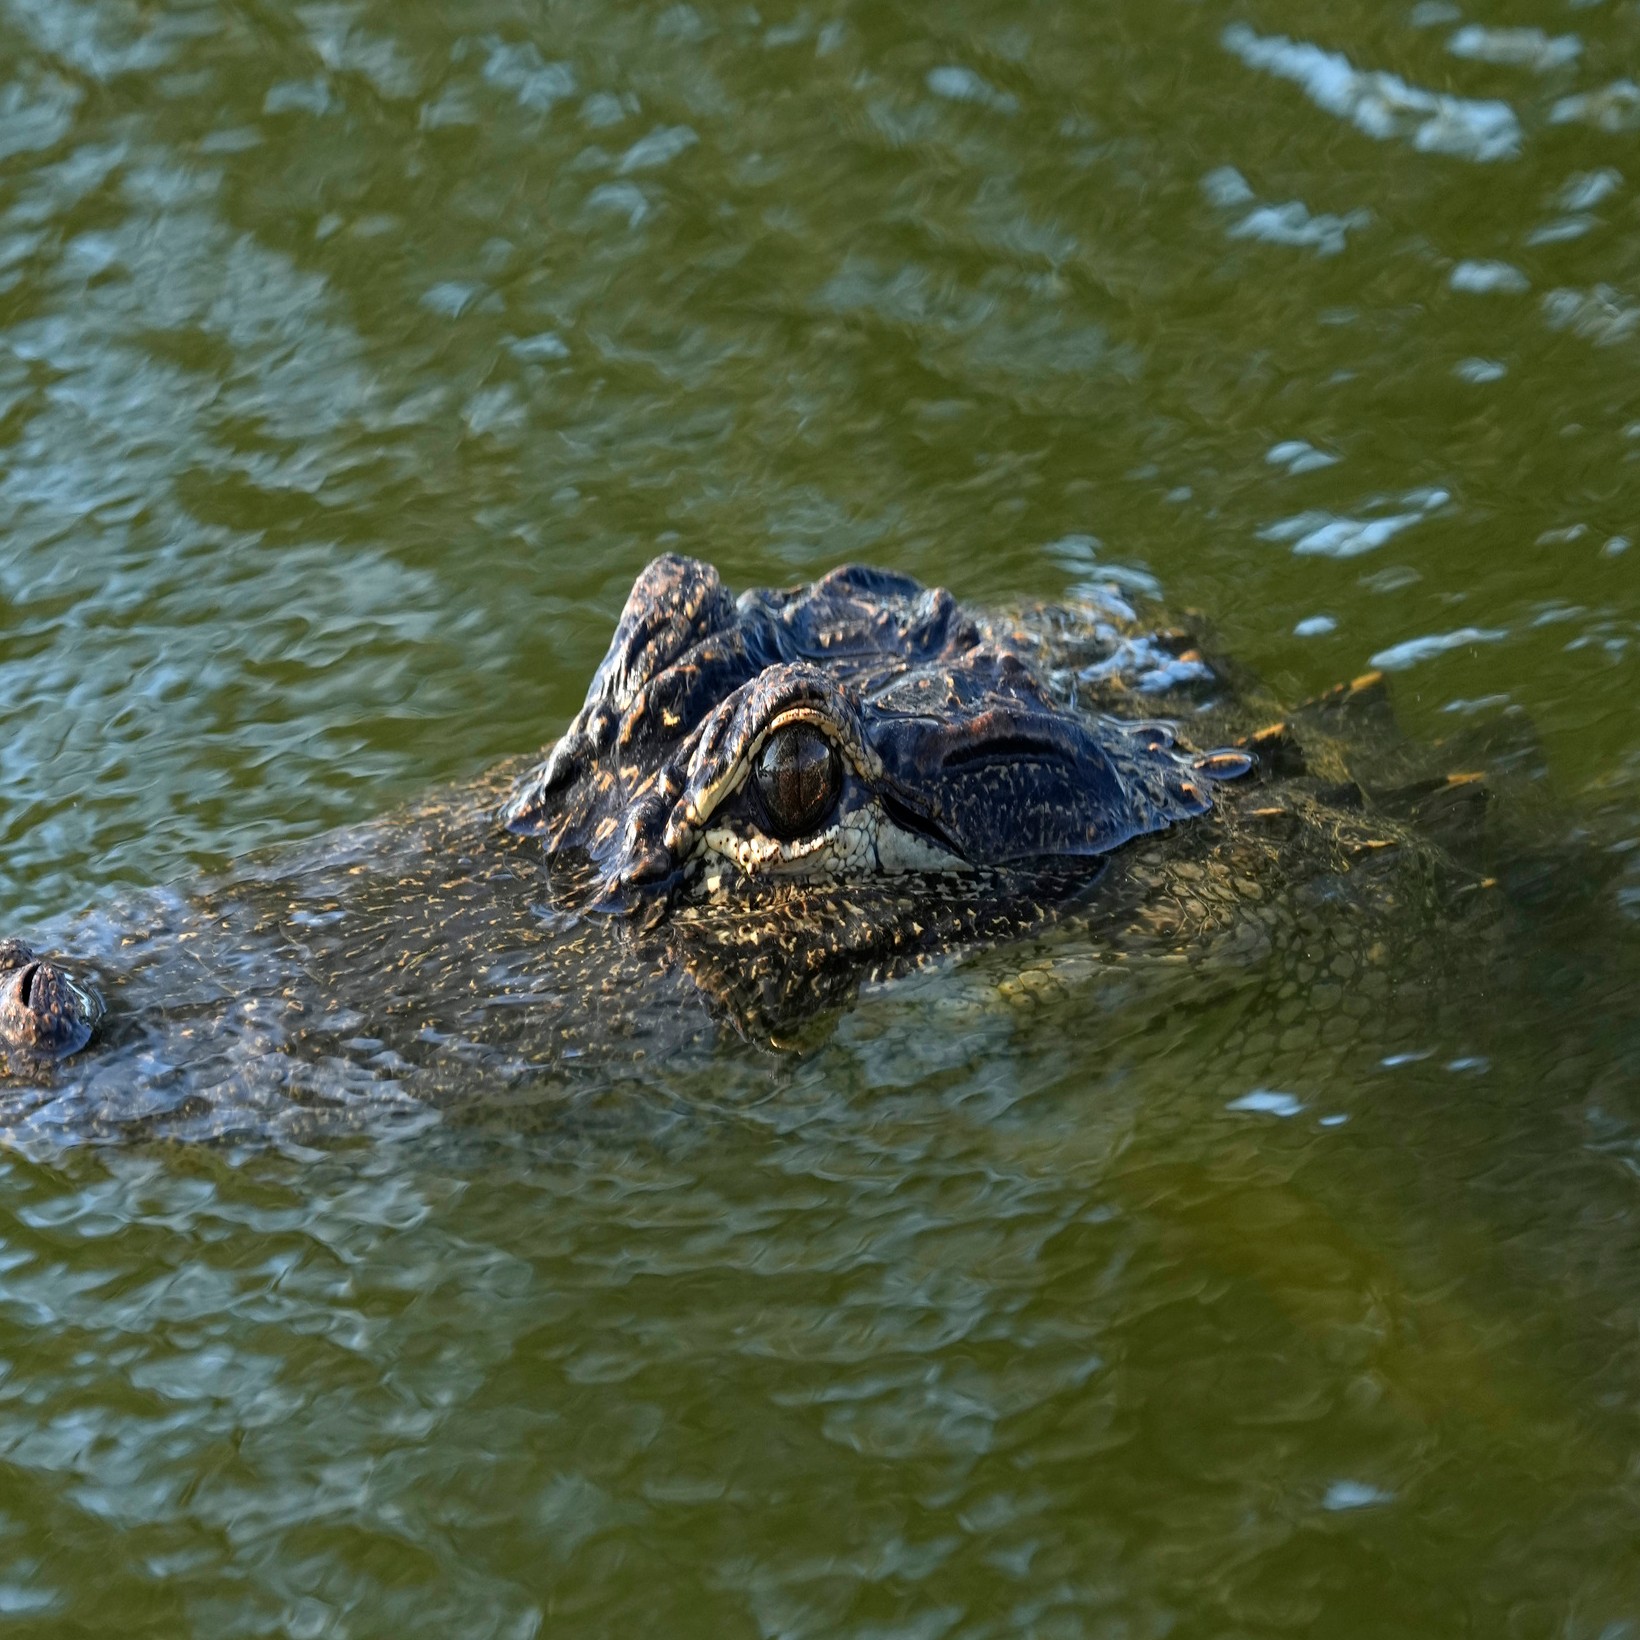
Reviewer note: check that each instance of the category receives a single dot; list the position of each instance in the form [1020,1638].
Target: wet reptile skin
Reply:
[1078,785]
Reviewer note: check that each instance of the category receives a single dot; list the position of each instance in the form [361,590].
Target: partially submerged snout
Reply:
[43,1013]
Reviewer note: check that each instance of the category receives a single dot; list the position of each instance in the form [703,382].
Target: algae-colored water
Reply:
[353,358]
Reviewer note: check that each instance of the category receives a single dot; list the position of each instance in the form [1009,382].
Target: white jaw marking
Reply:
[863,845]
[901,850]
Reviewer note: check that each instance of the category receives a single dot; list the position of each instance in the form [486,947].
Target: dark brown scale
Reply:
[799,777]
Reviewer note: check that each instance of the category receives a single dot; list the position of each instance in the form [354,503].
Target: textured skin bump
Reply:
[43,1013]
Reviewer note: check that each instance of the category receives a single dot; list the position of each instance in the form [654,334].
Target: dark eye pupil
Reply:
[799,778]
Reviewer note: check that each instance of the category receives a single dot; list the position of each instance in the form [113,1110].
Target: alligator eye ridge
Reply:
[799,777]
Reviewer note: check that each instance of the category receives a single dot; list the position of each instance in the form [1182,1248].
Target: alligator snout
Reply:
[43,1013]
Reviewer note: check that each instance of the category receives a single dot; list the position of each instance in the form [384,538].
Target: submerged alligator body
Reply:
[764,803]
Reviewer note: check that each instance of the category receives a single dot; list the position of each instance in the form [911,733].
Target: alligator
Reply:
[765,804]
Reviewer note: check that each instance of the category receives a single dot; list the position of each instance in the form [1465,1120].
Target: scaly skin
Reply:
[433,959]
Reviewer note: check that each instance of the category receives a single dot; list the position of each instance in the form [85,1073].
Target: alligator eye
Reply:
[799,777]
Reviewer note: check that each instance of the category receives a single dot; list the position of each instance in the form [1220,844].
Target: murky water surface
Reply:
[353,357]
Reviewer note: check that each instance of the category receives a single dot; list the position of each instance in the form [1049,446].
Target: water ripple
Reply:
[1383,105]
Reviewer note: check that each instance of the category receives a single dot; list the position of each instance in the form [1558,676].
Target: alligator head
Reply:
[804,782]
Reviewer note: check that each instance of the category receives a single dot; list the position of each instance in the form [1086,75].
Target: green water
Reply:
[353,358]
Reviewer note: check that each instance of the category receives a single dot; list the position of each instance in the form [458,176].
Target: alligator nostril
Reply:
[25,985]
